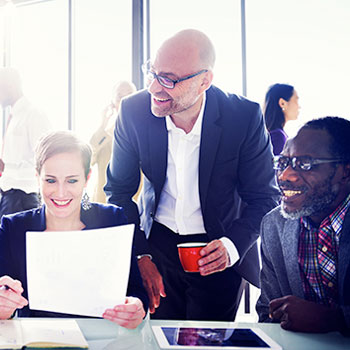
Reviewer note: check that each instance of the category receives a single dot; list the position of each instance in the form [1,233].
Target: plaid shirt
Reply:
[317,256]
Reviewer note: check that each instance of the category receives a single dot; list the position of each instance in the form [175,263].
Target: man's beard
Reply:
[319,202]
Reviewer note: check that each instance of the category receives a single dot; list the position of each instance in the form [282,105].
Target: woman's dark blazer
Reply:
[13,247]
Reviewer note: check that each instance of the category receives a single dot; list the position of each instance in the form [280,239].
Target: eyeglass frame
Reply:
[147,71]
[293,162]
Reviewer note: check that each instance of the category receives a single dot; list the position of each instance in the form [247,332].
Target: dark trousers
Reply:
[13,201]
[190,296]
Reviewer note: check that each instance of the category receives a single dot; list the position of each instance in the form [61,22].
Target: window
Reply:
[221,23]
[39,51]
[305,44]
[102,56]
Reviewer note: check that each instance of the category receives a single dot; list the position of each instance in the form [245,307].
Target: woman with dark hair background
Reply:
[281,105]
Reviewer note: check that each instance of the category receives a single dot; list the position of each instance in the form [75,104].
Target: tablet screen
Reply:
[211,338]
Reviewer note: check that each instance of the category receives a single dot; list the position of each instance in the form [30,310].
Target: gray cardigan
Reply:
[280,274]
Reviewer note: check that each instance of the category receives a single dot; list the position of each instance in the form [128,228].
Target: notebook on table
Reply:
[41,333]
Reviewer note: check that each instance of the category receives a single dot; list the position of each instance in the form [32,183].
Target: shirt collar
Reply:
[197,127]
[336,219]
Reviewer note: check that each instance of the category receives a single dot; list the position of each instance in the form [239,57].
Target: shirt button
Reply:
[324,249]
[330,284]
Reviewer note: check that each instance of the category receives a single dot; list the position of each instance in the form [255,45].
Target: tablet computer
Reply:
[213,338]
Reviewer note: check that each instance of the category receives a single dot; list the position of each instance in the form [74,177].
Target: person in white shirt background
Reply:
[24,126]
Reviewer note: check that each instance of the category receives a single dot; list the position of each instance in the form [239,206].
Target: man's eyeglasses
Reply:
[303,163]
[165,81]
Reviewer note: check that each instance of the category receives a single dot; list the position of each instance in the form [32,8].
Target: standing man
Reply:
[25,125]
[200,151]
[305,278]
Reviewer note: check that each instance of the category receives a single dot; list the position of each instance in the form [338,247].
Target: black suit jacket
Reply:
[236,178]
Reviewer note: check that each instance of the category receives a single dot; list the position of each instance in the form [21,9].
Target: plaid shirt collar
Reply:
[318,263]
[336,218]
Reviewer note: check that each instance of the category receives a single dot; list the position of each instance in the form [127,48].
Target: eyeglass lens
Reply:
[304,164]
[166,82]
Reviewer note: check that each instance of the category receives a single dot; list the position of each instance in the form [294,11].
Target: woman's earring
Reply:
[85,202]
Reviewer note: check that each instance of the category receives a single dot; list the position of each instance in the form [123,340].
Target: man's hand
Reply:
[300,315]
[106,115]
[152,281]
[214,258]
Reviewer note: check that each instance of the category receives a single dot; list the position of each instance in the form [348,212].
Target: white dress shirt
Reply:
[24,130]
[179,206]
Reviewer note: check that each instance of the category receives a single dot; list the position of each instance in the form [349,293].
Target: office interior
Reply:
[70,53]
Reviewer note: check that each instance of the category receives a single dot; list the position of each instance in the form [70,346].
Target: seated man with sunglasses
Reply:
[305,277]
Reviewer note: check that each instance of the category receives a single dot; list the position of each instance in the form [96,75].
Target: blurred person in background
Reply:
[281,105]
[24,126]
[101,140]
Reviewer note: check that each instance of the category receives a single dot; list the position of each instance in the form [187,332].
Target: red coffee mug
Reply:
[189,255]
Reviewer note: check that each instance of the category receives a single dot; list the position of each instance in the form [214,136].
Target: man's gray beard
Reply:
[297,214]
[316,203]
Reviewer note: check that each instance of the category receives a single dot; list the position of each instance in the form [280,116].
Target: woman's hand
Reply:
[10,297]
[128,315]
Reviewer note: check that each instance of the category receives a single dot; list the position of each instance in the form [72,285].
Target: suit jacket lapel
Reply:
[290,238]
[210,138]
[158,144]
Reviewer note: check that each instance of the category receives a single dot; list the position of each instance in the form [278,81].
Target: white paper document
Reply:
[79,272]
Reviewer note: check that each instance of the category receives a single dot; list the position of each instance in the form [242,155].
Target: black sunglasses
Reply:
[303,163]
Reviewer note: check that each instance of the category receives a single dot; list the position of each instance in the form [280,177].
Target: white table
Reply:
[102,334]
